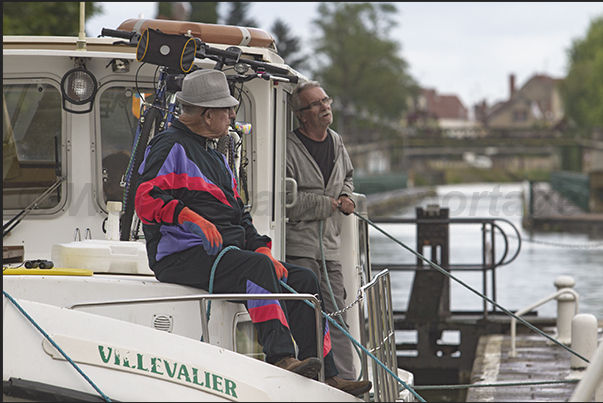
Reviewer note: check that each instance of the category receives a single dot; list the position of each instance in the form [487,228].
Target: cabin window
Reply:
[31,147]
[119,113]
[241,164]
[247,340]
[291,119]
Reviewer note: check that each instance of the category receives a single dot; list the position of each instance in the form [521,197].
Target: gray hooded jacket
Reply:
[314,200]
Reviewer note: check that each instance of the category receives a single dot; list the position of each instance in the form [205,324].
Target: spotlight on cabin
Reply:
[78,87]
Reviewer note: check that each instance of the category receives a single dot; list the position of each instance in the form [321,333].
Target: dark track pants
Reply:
[241,271]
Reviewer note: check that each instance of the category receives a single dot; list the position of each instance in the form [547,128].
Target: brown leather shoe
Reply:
[355,388]
[309,367]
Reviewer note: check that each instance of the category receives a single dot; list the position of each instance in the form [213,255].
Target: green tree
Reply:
[582,90]
[204,11]
[359,66]
[195,11]
[288,46]
[239,15]
[50,18]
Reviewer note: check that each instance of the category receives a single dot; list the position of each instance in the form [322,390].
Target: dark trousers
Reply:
[241,271]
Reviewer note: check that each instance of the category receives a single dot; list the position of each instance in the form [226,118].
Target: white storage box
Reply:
[103,256]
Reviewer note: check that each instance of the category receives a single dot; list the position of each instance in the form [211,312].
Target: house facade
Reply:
[535,105]
[430,109]
[438,112]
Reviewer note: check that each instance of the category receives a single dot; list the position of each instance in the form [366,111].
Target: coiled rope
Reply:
[354,341]
[211,278]
[211,281]
[375,359]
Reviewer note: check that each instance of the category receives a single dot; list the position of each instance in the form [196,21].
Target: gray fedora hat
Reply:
[206,88]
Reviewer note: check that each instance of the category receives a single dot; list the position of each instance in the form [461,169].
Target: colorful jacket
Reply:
[179,171]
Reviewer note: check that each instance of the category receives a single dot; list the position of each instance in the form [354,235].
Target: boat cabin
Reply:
[71,109]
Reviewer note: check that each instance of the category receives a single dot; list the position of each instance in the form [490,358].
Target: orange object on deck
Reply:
[210,33]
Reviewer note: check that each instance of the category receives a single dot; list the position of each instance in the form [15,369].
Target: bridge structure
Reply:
[419,146]
[509,151]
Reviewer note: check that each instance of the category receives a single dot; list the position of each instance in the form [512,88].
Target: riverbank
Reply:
[386,203]
[547,363]
[547,211]
[465,175]
[528,278]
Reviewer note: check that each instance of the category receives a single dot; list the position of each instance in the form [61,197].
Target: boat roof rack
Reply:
[211,33]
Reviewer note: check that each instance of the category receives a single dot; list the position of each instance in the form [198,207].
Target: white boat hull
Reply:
[130,362]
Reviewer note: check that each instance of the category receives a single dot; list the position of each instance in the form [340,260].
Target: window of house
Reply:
[520,115]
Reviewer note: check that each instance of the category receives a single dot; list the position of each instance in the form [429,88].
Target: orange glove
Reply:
[212,240]
[281,272]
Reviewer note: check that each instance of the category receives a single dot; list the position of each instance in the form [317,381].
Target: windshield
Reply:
[31,157]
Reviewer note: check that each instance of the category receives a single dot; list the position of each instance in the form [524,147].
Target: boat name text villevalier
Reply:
[144,364]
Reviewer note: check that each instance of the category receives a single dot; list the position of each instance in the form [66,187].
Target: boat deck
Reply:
[538,360]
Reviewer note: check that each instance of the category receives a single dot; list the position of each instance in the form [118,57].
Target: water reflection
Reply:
[530,277]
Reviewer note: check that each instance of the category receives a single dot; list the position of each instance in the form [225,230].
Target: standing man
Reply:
[319,162]
[188,202]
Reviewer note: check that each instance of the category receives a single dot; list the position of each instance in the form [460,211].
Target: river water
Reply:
[527,279]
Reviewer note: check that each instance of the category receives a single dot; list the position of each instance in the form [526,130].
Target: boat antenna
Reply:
[81,40]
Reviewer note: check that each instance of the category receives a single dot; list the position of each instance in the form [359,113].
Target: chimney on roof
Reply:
[511,85]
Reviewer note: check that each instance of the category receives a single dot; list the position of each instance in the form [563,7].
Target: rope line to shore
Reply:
[285,285]
[441,270]
[389,371]
[78,369]
[595,245]
[490,385]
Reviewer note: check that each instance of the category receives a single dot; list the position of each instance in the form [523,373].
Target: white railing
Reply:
[381,336]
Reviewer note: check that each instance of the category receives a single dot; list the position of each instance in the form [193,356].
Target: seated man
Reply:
[187,200]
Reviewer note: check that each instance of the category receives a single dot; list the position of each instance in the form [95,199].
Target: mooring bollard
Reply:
[566,309]
[584,342]
[592,381]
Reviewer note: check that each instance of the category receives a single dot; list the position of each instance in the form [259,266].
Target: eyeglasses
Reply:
[326,101]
